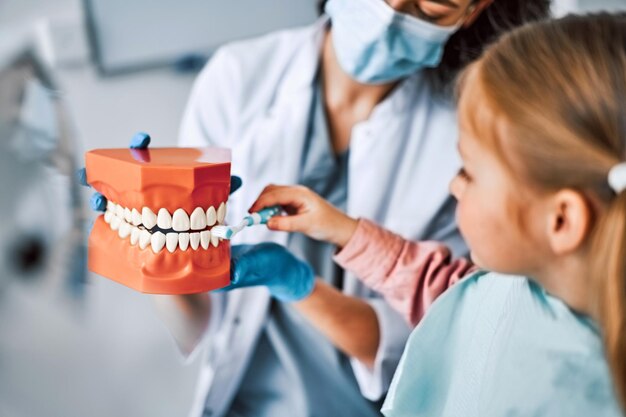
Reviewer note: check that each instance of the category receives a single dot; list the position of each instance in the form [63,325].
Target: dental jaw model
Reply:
[155,235]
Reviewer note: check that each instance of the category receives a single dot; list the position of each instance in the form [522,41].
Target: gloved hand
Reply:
[139,141]
[271,265]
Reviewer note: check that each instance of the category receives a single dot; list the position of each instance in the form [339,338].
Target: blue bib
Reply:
[497,345]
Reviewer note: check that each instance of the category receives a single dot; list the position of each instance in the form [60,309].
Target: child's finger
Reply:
[262,196]
[297,223]
[279,196]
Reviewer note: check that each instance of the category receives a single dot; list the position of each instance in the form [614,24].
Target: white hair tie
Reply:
[617,177]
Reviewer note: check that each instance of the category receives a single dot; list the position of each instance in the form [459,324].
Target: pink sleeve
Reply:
[410,275]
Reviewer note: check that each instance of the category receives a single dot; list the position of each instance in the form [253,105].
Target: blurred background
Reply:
[79,345]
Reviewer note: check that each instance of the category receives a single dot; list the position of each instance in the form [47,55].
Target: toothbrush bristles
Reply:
[222,232]
[227,232]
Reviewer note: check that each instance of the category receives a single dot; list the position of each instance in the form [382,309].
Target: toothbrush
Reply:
[260,217]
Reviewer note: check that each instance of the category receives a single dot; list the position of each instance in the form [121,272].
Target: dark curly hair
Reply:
[468,43]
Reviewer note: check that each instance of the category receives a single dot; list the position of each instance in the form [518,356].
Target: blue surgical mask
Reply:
[375,44]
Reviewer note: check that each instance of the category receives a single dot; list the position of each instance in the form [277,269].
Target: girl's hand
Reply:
[307,213]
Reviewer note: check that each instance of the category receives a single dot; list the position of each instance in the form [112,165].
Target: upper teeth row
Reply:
[179,221]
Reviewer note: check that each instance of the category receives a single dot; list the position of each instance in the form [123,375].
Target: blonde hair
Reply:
[550,100]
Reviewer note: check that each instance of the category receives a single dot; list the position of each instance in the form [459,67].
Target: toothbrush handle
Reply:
[262,216]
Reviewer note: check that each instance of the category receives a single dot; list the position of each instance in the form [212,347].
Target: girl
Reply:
[542,204]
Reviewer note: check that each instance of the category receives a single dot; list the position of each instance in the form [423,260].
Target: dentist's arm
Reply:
[350,323]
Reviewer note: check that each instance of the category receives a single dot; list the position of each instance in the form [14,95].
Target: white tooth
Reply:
[221,213]
[135,217]
[205,237]
[108,215]
[171,241]
[180,221]
[148,218]
[134,235]
[144,239]
[211,216]
[115,222]
[164,220]
[157,240]
[194,240]
[214,241]
[110,205]
[183,239]
[119,211]
[127,215]
[198,219]
[124,230]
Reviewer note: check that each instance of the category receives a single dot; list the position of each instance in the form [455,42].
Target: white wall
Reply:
[594,5]
[561,7]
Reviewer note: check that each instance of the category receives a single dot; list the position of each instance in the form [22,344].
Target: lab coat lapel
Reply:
[294,133]
[376,150]
[294,102]
[287,125]
[397,173]
[286,128]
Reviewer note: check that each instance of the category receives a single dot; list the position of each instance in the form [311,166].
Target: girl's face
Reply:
[440,12]
[500,219]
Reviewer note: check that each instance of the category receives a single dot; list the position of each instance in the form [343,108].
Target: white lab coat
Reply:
[255,97]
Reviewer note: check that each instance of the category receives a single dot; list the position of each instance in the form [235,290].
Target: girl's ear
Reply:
[569,221]
[475,11]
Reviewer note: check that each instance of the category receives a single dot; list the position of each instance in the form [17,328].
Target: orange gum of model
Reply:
[157,178]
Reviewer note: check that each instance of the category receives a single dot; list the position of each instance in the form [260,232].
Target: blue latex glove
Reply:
[140,141]
[271,265]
